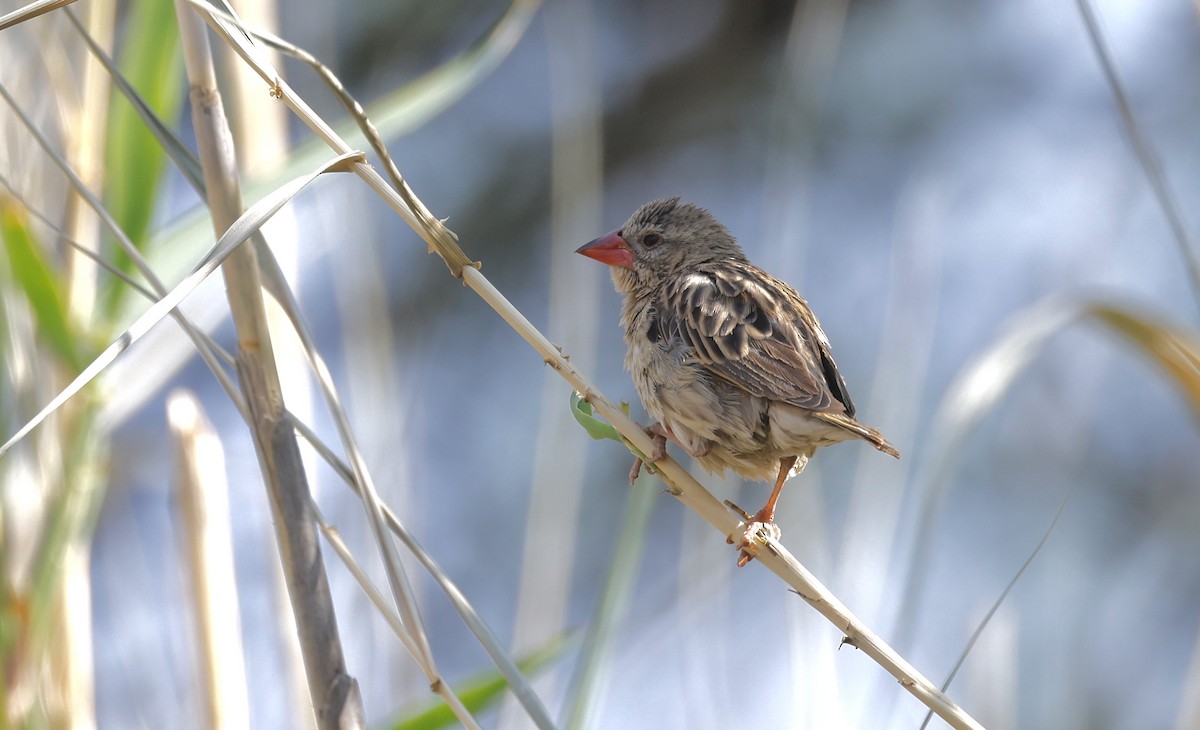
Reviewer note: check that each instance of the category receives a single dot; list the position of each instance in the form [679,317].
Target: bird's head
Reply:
[660,239]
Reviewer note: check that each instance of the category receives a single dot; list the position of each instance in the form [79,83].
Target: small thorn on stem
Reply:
[737,511]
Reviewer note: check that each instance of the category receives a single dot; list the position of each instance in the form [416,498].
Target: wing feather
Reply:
[755,332]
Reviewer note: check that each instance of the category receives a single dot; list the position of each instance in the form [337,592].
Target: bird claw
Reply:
[757,531]
[636,470]
[659,435]
[658,454]
[757,536]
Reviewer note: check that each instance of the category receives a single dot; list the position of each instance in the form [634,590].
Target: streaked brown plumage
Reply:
[729,360]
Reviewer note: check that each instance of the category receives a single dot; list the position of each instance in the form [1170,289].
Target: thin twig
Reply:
[771,554]
[498,41]
[1141,147]
[360,478]
[255,277]
[32,10]
[517,683]
[439,686]
[996,606]
[106,219]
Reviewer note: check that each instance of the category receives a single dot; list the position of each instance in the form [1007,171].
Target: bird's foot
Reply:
[757,530]
[659,435]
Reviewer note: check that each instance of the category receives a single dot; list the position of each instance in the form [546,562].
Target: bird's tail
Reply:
[862,431]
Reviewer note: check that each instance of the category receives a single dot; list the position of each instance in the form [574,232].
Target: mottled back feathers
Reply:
[710,333]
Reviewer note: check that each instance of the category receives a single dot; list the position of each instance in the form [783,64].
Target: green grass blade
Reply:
[394,114]
[484,689]
[151,63]
[37,280]
[183,158]
[241,230]
[411,106]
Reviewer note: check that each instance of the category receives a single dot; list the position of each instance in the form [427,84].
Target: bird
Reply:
[730,361]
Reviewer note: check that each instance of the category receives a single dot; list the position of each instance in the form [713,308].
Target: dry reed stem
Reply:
[260,132]
[1142,149]
[32,10]
[686,489]
[210,352]
[417,642]
[202,507]
[415,639]
[683,486]
[335,697]
[507,666]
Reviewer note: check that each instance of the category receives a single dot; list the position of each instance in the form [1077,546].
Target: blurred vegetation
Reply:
[699,99]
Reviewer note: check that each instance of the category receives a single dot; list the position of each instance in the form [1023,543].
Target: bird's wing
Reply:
[755,332]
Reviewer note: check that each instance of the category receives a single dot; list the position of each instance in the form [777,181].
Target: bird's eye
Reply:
[650,240]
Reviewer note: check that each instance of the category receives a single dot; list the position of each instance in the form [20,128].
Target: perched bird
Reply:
[729,360]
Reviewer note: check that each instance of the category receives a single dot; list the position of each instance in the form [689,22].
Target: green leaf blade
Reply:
[37,279]
[152,64]
[484,689]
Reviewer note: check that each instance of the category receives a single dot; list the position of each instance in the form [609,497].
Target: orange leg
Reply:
[766,515]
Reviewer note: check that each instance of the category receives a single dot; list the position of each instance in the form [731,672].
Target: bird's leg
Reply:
[660,435]
[765,517]
[767,513]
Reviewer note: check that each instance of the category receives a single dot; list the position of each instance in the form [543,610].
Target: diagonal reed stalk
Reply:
[1146,157]
[685,488]
[276,285]
[335,697]
[771,553]
[414,637]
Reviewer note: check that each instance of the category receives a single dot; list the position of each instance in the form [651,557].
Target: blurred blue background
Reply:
[922,172]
